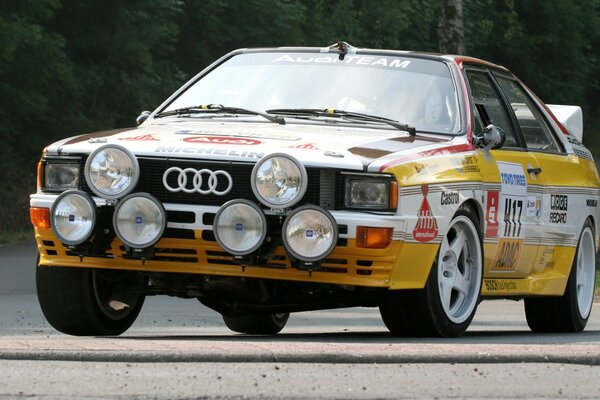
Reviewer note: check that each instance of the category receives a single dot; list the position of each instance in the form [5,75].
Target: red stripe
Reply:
[459,148]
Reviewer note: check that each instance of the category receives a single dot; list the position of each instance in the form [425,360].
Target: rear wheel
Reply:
[257,324]
[447,304]
[569,312]
[89,302]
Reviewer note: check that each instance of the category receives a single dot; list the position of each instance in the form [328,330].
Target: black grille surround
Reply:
[153,169]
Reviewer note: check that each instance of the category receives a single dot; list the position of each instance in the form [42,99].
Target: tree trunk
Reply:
[451,27]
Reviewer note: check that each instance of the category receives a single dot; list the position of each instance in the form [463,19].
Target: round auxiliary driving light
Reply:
[310,233]
[139,220]
[279,180]
[240,227]
[73,217]
[111,171]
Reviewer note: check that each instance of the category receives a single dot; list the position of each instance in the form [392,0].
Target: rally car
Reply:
[291,179]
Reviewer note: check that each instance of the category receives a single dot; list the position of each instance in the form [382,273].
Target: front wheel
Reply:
[89,302]
[569,312]
[257,324]
[447,304]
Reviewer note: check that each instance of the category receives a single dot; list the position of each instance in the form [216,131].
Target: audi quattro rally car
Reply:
[292,179]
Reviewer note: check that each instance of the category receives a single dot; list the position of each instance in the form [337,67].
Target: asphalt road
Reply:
[179,349]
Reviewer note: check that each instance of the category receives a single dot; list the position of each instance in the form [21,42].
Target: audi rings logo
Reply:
[204,181]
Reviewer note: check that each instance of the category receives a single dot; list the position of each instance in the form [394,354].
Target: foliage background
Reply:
[67,67]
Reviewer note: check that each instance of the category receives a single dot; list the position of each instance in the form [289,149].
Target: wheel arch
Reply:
[477,209]
[593,221]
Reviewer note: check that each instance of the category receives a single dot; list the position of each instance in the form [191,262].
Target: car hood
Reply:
[316,145]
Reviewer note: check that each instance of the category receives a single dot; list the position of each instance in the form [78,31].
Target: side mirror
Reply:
[492,137]
[142,117]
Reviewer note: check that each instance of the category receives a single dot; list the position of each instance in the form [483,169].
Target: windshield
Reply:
[417,92]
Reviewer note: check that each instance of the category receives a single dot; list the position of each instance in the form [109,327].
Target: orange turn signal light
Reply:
[393,195]
[40,217]
[39,174]
[373,238]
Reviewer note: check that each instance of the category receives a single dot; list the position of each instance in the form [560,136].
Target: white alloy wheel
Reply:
[571,311]
[459,270]
[585,273]
[446,305]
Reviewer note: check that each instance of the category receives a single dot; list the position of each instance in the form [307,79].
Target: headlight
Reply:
[310,233]
[111,171]
[73,217]
[139,220]
[61,176]
[279,181]
[240,227]
[373,193]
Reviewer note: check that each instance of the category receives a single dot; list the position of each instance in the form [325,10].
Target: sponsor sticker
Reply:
[507,256]
[513,199]
[547,257]
[305,146]
[466,164]
[449,198]
[491,214]
[426,228]
[141,138]
[513,203]
[496,285]
[534,207]
[559,205]
[373,61]
[207,151]
[269,136]
[222,140]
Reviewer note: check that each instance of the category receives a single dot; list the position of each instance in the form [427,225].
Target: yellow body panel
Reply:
[549,282]
[347,266]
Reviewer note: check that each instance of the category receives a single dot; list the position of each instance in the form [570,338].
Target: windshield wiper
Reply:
[216,108]
[331,112]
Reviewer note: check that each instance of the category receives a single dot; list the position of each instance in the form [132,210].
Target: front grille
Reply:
[151,181]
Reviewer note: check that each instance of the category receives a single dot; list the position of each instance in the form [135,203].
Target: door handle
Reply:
[536,170]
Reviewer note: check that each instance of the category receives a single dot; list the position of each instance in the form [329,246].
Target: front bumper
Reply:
[188,246]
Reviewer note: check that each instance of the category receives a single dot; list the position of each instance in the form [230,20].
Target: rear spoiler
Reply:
[571,117]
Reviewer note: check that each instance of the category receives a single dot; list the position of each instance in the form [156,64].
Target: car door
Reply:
[564,204]
[512,186]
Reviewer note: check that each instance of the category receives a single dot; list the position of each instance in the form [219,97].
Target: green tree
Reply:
[210,28]
[391,24]
[36,77]
[123,55]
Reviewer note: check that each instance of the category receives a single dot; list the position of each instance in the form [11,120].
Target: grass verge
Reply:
[15,237]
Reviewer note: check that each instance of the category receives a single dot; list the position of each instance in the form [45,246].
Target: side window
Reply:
[490,108]
[535,132]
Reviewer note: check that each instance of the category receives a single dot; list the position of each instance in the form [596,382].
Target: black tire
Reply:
[76,301]
[447,304]
[257,324]
[571,311]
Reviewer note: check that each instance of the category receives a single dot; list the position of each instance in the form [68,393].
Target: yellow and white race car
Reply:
[292,179]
